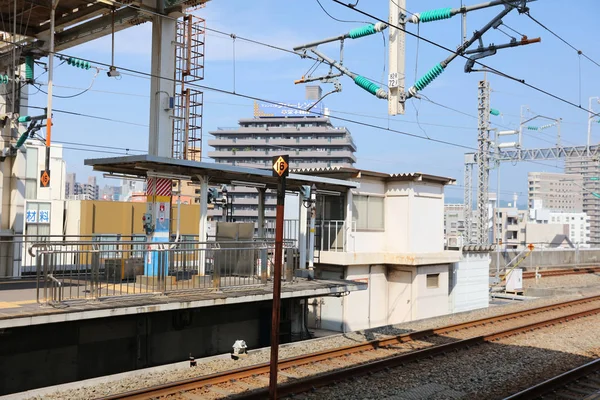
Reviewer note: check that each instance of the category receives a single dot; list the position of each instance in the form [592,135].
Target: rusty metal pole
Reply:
[280,167]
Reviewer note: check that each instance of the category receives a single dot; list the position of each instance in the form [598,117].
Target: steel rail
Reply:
[263,368]
[556,383]
[561,272]
[368,368]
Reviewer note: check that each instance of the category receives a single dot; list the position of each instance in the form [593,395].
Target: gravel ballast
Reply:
[138,379]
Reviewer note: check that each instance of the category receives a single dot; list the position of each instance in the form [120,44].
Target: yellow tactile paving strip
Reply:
[15,304]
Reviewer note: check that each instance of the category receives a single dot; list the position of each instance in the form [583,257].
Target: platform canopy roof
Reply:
[355,173]
[147,165]
[76,22]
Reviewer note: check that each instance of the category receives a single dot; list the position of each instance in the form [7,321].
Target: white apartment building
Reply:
[579,226]
[578,223]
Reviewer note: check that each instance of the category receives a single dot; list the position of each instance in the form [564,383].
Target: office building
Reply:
[589,171]
[558,192]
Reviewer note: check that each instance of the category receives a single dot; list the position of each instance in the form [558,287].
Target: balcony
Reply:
[279,130]
[285,141]
[325,155]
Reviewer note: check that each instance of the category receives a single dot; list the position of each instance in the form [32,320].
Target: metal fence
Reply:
[94,270]
[332,235]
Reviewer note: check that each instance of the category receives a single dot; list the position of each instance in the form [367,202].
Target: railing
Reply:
[91,270]
[333,235]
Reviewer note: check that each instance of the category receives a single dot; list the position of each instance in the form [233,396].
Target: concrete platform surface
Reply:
[18,309]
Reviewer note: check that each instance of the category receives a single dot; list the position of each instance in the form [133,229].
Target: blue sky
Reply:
[269,74]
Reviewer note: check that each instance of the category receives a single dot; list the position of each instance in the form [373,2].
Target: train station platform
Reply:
[19,307]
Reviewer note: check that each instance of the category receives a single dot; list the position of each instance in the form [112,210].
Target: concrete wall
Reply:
[430,302]
[33,357]
[368,308]
[414,218]
[544,234]
[469,282]
[550,258]
[395,294]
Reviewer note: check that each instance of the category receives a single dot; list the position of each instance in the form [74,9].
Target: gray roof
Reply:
[350,172]
[139,165]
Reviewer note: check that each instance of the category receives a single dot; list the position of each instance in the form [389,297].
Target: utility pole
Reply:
[280,170]
[483,154]
[397,51]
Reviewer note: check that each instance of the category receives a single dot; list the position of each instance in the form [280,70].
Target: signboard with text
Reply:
[288,109]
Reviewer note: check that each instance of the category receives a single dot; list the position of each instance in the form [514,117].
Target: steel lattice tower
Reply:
[483,155]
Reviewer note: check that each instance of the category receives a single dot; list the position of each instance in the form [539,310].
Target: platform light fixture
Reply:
[152,174]
[328,192]
[249,184]
[122,176]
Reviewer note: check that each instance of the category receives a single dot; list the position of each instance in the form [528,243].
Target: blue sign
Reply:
[31,216]
[45,217]
[288,109]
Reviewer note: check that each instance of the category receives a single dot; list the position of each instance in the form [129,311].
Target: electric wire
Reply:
[73,95]
[579,52]
[336,19]
[491,69]
[89,116]
[259,99]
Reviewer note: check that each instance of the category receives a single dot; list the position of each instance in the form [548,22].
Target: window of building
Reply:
[368,212]
[433,281]
[31,173]
[37,219]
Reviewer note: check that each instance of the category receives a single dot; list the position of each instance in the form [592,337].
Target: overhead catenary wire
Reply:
[489,68]
[343,119]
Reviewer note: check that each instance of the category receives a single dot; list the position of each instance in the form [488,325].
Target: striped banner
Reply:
[159,187]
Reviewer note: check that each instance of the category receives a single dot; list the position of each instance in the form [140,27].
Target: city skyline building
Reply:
[558,192]
[589,170]
[310,140]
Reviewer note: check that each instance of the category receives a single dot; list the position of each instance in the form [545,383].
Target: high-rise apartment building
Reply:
[589,171]
[91,189]
[558,192]
[70,185]
[310,140]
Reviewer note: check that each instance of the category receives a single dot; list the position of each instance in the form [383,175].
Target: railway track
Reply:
[561,272]
[579,383]
[308,371]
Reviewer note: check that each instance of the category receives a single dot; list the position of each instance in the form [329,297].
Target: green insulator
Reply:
[29,68]
[435,15]
[429,77]
[362,31]
[21,140]
[366,84]
[24,118]
[532,128]
[4,79]
[71,61]
[493,111]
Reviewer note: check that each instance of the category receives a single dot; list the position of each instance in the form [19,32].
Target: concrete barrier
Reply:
[549,258]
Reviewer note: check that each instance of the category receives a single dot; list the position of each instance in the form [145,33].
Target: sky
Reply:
[269,74]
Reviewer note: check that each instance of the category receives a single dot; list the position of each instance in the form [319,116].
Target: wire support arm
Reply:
[449,12]
[361,81]
[439,68]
